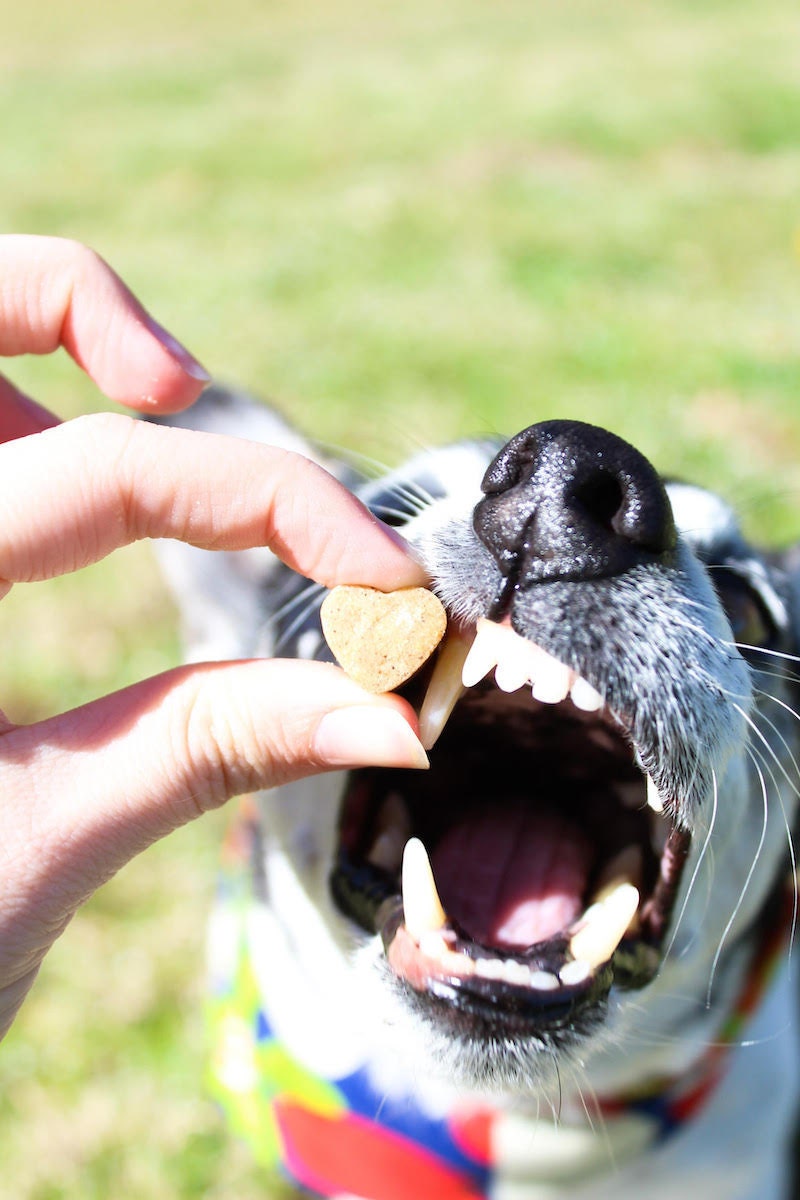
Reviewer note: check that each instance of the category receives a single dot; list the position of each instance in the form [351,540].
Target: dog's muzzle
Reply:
[537,862]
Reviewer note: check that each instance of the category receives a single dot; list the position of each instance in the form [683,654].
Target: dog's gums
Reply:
[572,909]
[555,868]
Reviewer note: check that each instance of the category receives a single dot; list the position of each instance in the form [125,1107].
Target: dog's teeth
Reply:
[392,830]
[517,973]
[433,945]
[553,680]
[604,925]
[485,652]
[543,981]
[505,970]
[625,867]
[421,904]
[575,972]
[511,674]
[490,968]
[653,798]
[387,851]
[444,690]
[584,696]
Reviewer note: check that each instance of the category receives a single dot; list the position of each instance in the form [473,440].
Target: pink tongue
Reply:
[512,879]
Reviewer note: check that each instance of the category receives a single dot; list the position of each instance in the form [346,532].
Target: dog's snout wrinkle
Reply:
[564,500]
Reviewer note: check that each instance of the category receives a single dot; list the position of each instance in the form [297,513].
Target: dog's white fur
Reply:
[736,1149]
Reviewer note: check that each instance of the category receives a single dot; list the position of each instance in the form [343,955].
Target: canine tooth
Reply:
[575,972]
[444,690]
[552,682]
[422,907]
[433,945]
[653,798]
[599,936]
[624,867]
[584,696]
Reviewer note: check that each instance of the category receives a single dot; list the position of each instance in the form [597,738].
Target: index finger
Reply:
[72,494]
[55,292]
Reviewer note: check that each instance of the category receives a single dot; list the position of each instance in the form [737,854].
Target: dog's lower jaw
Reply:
[563,1133]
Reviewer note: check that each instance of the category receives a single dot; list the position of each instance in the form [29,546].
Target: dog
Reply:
[594,996]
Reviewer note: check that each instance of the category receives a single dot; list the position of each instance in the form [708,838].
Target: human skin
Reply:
[84,791]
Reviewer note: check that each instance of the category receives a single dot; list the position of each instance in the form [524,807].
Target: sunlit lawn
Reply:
[405,222]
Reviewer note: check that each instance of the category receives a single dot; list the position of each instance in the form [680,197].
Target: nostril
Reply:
[601,499]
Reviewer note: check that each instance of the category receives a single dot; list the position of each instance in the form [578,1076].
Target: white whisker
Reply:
[750,873]
[697,867]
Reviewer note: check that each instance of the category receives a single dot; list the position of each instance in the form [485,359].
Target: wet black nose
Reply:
[565,500]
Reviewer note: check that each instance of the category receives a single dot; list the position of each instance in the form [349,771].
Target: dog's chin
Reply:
[429,1043]
[556,869]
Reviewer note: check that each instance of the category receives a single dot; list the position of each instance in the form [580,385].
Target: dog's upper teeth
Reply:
[604,925]
[585,697]
[653,798]
[517,662]
[492,644]
[422,908]
[444,690]
[552,681]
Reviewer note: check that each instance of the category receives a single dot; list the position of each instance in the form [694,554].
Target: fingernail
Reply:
[181,355]
[362,736]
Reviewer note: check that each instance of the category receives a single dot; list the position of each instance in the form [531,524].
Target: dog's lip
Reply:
[543,985]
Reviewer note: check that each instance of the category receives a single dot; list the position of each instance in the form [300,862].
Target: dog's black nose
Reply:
[566,500]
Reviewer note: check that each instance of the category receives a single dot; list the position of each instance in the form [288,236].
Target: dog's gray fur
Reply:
[716,730]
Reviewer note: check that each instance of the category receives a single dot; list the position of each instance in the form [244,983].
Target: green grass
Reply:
[406,222]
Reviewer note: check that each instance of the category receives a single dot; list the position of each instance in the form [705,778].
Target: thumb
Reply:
[86,791]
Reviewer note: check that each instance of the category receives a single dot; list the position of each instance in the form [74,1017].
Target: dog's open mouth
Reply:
[534,865]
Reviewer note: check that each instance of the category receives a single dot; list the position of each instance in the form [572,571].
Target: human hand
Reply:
[81,793]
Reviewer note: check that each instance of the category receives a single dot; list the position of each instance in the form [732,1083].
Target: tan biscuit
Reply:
[382,638]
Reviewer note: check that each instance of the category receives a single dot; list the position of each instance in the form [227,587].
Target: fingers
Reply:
[78,491]
[55,292]
[19,415]
[86,791]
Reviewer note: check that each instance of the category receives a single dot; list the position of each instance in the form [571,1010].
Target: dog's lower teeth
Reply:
[574,973]
[625,867]
[604,925]
[543,981]
[422,908]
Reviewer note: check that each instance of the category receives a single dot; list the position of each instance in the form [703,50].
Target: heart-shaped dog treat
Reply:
[382,638]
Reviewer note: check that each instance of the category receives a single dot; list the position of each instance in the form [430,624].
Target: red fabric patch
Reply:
[473,1135]
[350,1154]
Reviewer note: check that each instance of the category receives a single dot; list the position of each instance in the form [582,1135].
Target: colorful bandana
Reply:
[342,1137]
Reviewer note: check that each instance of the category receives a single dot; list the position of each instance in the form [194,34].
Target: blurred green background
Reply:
[404,222]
